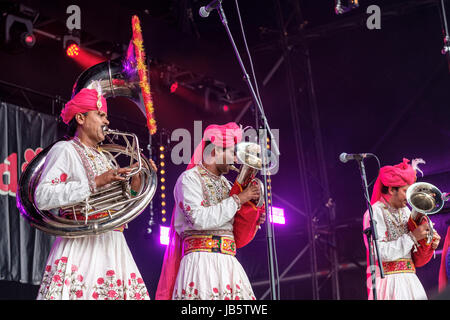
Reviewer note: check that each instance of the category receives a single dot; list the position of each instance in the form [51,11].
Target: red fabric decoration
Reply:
[424,252]
[245,220]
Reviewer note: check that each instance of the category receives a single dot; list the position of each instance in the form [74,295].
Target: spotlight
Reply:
[71,43]
[226,108]
[18,31]
[164,235]
[174,87]
[28,39]
[73,50]
[277,216]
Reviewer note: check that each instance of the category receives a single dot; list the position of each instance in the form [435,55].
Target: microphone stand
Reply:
[370,232]
[257,101]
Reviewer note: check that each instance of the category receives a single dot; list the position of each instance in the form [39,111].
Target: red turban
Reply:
[225,136]
[399,175]
[84,101]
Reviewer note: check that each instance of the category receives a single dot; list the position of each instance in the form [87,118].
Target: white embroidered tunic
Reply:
[205,207]
[90,267]
[394,244]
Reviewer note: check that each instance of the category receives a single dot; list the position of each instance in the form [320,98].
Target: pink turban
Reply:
[399,175]
[225,136]
[84,101]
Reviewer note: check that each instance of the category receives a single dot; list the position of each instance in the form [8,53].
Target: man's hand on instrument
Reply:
[111,176]
[262,218]
[421,232]
[153,165]
[136,180]
[252,192]
[436,239]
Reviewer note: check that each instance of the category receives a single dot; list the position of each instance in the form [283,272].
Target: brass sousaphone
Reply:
[118,77]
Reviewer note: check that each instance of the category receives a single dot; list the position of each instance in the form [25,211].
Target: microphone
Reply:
[206,10]
[344,157]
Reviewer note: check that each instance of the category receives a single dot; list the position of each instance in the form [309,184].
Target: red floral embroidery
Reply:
[110,288]
[63,177]
[191,293]
[56,278]
[231,292]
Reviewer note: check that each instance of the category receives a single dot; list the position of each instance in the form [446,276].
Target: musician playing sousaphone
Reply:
[401,235]
[94,266]
[200,260]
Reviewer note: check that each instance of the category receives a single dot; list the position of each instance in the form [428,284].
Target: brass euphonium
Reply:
[118,77]
[249,155]
[427,199]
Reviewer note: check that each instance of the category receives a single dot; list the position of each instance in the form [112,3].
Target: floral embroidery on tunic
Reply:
[215,188]
[396,222]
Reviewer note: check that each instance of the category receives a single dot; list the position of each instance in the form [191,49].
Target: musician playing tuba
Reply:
[400,235]
[200,261]
[94,266]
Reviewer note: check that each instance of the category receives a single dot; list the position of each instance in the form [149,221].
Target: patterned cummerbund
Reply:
[209,243]
[399,266]
[81,217]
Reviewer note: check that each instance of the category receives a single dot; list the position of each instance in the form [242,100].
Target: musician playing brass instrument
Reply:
[200,262]
[401,235]
[93,266]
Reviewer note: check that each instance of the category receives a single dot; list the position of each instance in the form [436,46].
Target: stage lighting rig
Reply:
[17,24]
[345,6]
[71,43]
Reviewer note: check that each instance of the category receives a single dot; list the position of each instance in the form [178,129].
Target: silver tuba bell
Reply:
[118,77]
[427,199]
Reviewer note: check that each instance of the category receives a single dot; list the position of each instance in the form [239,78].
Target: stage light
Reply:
[162,173]
[164,235]
[71,43]
[18,31]
[226,108]
[73,50]
[277,216]
[174,87]
[28,40]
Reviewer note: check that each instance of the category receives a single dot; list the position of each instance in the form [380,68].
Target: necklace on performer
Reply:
[213,175]
[91,155]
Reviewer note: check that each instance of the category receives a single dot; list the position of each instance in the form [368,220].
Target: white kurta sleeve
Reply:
[389,250]
[63,180]
[189,197]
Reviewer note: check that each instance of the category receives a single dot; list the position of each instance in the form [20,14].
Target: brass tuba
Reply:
[114,78]
[427,199]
